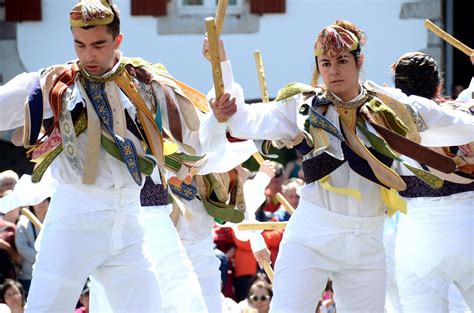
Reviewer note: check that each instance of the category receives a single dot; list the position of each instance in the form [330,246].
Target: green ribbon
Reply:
[388,116]
[221,212]
[146,164]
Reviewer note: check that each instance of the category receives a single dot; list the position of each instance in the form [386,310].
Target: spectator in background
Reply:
[84,300]
[259,296]
[8,180]
[290,192]
[25,237]
[265,212]
[245,267]
[294,168]
[13,215]
[327,304]
[12,294]
[224,241]
[9,256]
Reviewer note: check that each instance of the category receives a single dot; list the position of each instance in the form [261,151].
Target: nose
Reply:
[90,55]
[333,70]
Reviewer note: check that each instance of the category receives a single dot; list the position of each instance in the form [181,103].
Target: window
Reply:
[187,16]
[193,7]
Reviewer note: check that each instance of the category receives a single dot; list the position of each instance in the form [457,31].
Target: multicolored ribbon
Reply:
[98,97]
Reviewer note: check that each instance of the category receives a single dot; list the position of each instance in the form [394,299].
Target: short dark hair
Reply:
[263,285]
[114,26]
[10,283]
[417,74]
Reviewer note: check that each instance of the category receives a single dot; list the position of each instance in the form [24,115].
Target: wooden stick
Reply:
[263,90]
[261,75]
[257,156]
[220,14]
[268,269]
[447,37]
[285,203]
[215,58]
[32,217]
[262,226]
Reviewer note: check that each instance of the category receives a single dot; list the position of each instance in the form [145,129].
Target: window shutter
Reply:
[267,6]
[149,7]
[22,10]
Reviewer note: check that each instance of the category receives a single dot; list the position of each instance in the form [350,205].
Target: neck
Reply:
[110,75]
[349,94]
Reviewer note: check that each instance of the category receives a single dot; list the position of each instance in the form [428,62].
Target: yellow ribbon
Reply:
[393,201]
[324,182]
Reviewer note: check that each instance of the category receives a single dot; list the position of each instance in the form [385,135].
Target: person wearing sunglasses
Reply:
[260,294]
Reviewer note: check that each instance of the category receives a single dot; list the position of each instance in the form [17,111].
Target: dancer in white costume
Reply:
[179,285]
[439,222]
[180,291]
[190,280]
[92,225]
[196,233]
[337,229]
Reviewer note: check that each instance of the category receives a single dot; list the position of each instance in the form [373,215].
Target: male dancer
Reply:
[100,114]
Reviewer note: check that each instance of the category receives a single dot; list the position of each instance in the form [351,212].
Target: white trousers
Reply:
[392,299]
[197,238]
[206,266]
[107,244]
[180,289]
[434,249]
[318,243]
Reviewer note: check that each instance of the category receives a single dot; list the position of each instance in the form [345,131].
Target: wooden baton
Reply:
[220,14]
[215,58]
[262,226]
[32,218]
[261,75]
[268,269]
[285,203]
[265,99]
[447,37]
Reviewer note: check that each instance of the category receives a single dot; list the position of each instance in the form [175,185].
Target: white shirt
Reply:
[278,121]
[112,174]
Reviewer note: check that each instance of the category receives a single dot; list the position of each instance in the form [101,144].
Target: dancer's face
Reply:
[340,74]
[95,47]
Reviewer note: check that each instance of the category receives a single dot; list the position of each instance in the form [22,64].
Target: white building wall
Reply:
[286,41]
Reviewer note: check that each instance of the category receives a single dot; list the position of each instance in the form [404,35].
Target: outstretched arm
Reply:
[272,121]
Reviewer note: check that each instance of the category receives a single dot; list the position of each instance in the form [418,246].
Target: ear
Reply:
[360,60]
[118,41]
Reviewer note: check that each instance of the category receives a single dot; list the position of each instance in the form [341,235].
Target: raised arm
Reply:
[272,121]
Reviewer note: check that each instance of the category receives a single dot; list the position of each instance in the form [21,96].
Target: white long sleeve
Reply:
[12,100]
[254,194]
[445,127]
